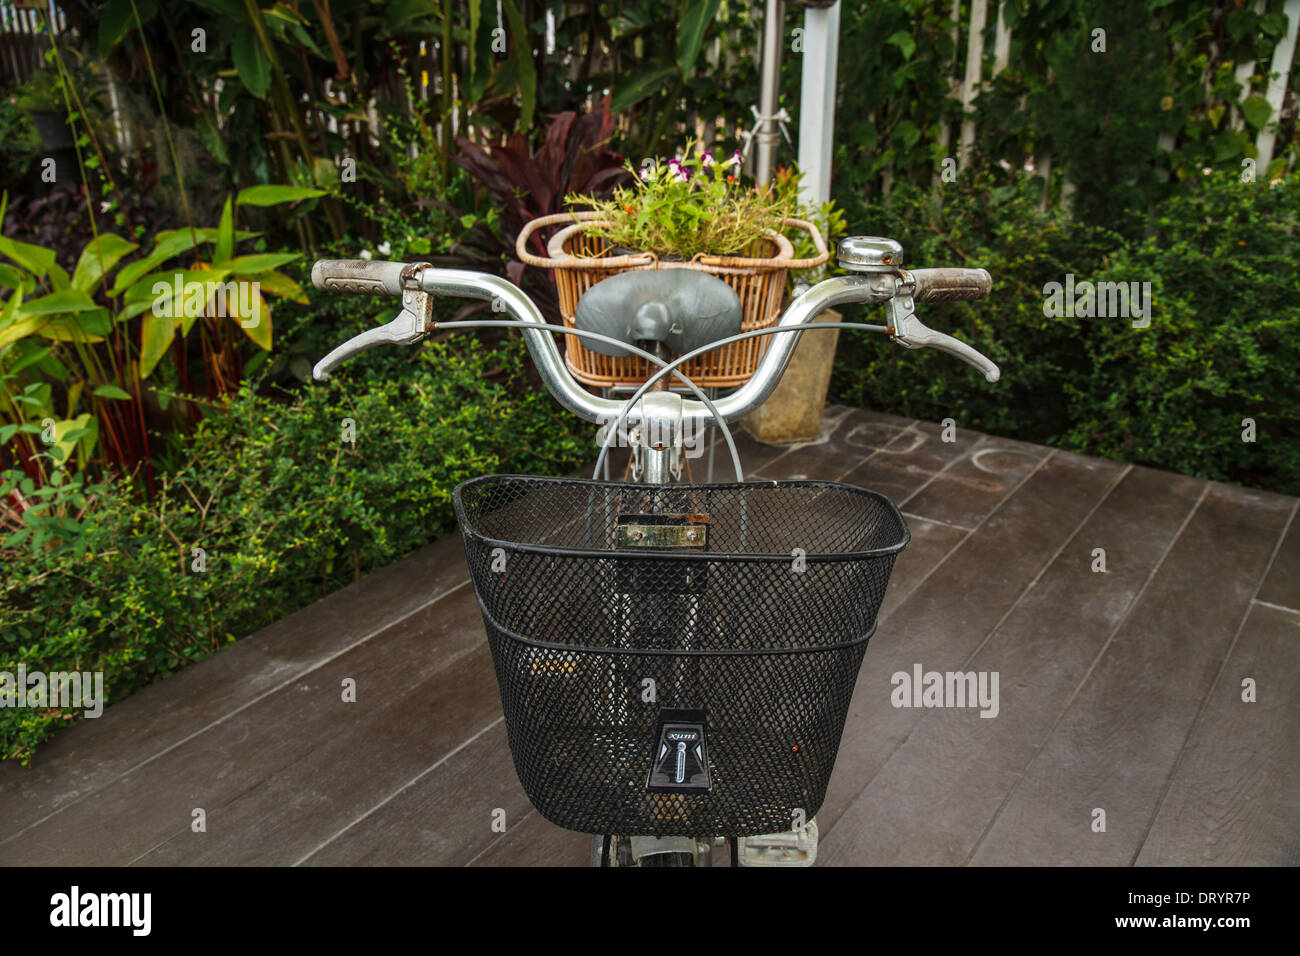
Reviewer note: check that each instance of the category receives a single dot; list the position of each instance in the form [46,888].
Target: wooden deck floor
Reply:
[1119,690]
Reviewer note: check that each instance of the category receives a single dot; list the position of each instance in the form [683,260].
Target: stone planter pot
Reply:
[794,411]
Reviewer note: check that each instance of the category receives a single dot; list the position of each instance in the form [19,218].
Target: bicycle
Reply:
[675,659]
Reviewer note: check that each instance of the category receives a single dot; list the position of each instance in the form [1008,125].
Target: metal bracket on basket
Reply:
[689,531]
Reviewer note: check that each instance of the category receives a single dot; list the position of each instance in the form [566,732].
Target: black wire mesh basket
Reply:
[676,659]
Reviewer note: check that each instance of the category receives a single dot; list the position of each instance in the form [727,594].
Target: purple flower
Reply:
[707,159]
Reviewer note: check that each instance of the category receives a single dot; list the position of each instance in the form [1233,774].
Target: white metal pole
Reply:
[766,135]
[979,10]
[1279,77]
[821,44]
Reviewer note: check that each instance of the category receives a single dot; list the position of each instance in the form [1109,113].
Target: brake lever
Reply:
[911,333]
[410,326]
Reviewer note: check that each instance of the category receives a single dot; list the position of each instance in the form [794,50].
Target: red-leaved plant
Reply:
[525,183]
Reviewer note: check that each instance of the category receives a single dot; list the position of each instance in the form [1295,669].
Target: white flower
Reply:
[367,254]
[105,205]
[385,248]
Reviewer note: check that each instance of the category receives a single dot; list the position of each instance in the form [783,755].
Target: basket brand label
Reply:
[681,759]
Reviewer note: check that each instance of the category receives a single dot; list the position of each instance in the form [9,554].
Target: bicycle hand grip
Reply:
[363,276]
[948,285]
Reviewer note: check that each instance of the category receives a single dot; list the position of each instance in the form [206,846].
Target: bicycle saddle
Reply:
[681,308]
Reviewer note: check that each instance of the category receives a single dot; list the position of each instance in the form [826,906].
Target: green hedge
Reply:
[1223,260]
[284,510]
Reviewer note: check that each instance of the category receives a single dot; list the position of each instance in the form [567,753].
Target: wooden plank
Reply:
[284,771]
[285,817]
[991,469]
[1282,585]
[910,460]
[152,803]
[938,792]
[94,753]
[931,543]
[1233,798]
[829,457]
[537,842]
[944,619]
[872,431]
[444,818]
[753,455]
[1117,744]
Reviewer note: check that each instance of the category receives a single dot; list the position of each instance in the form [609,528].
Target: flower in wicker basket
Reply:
[688,206]
[692,212]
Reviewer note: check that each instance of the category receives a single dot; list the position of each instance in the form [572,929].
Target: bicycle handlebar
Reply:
[415,282]
[358,276]
[948,285]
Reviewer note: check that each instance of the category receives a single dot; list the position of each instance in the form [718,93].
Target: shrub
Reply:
[1225,328]
[284,510]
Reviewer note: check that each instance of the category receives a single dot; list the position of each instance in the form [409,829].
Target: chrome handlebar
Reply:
[417,282]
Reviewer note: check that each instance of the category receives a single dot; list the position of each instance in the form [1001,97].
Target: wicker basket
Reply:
[580,260]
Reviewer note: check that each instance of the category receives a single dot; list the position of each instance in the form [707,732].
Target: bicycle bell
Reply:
[870,254]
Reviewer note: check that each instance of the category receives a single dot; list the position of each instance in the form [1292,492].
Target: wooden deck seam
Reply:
[1110,638]
[299,759]
[840,475]
[1209,692]
[946,524]
[1274,607]
[406,786]
[184,828]
[532,812]
[938,564]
